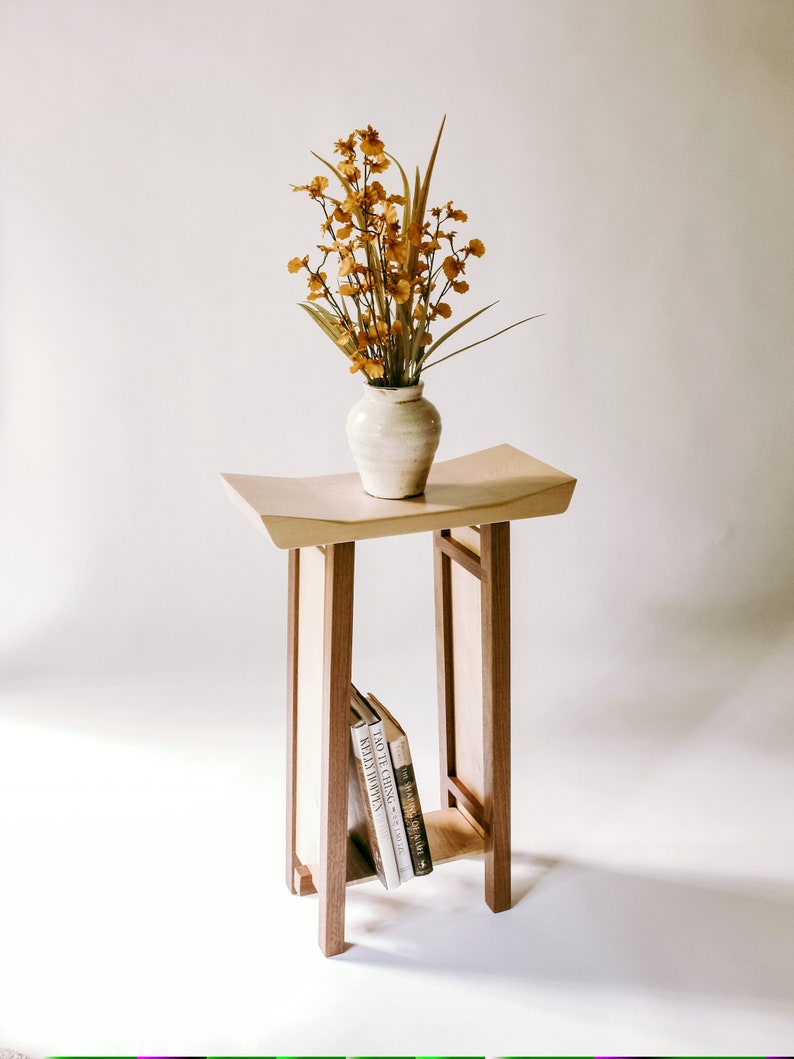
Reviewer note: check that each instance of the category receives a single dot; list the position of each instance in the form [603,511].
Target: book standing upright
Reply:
[390,799]
[408,794]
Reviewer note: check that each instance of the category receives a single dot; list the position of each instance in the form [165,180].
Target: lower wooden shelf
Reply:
[449,833]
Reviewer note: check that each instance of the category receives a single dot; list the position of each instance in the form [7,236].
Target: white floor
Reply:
[143,904]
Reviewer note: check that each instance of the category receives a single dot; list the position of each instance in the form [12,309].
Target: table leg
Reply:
[337,664]
[472,591]
[293,612]
[495,562]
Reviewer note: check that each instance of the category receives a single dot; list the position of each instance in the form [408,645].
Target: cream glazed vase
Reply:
[393,433]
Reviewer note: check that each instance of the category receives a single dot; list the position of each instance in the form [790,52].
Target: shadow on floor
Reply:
[576,924]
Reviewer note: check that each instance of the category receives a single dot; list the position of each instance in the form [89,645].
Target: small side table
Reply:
[468,505]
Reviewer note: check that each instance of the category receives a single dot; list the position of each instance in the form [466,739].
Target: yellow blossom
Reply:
[400,289]
[452,267]
[376,192]
[297,263]
[476,247]
[378,331]
[395,250]
[352,203]
[347,265]
[374,369]
[390,213]
[357,362]
[346,147]
[350,170]
[370,141]
[316,283]
[316,188]
[415,231]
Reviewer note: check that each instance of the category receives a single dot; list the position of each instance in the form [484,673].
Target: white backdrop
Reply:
[628,167]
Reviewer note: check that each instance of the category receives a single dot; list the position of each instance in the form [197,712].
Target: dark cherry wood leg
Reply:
[337,661]
[473,665]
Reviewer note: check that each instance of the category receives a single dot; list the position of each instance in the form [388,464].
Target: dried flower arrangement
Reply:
[395,268]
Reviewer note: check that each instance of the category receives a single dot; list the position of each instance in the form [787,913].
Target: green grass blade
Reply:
[406,193]
[325,321]
[421,192]
[480,342]
[448,334]
[421,205]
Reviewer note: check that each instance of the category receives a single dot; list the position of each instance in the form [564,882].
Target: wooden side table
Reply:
[468,505]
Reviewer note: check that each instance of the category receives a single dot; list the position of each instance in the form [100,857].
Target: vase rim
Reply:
[413,390]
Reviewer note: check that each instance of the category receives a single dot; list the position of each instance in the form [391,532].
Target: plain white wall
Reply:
[627,164]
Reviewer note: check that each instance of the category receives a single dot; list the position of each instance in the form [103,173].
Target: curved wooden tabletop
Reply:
[498,484]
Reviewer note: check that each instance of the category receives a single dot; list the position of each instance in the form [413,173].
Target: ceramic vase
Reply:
[393,433]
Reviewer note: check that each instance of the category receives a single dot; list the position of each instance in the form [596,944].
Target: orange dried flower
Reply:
[370,141]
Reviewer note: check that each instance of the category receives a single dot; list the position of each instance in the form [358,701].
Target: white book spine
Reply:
[391,800]
[374,792]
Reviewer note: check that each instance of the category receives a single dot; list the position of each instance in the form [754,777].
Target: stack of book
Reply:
[386,820]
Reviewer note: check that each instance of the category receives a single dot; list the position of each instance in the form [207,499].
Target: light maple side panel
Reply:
[309,707]
[468,536]
[467,679]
